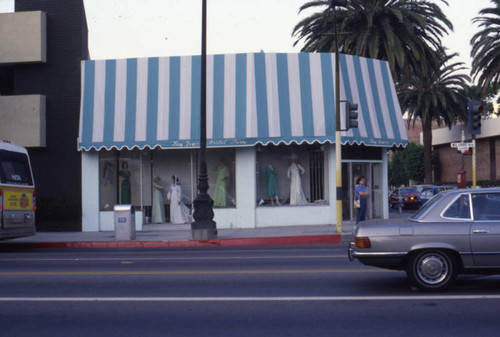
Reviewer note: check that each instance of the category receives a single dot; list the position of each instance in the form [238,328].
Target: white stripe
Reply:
[255,298]
[383,101]
[142,100]
[210,97]
[355,94]
[185,99]
[295,95]
[99,89]
[273,108]
[251,104]
[163,98]
[120,100]
[318,105]
[369,98]
[230,96]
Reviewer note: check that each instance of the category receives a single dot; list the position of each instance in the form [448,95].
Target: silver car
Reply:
[457,231]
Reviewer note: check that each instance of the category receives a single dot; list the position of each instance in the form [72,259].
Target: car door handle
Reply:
[480,231]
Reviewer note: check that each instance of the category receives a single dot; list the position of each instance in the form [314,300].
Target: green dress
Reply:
[125,193]
[221,186]
[272,185]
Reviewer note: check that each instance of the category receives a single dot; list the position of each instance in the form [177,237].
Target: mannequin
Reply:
[297,196]
[220,197]
[158,213]
[272,185]
[179,213]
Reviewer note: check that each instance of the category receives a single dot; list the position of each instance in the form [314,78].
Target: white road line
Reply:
[254,299]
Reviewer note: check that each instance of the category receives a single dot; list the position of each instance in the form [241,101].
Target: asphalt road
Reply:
[273,291]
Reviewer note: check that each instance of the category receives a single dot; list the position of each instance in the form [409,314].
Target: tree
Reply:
[403,32]
[406,165]
[486,47]
[436,96]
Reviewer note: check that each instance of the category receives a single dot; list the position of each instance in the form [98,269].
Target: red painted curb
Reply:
[234,242]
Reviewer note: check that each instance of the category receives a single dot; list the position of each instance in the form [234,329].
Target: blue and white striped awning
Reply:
[251,98]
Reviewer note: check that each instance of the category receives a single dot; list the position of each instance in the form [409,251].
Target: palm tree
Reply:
[436,96]
[402,32]
[486,47]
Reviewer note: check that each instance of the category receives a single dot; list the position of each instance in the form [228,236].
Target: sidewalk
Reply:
[156,236]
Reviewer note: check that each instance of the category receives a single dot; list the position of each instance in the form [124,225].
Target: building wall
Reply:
[450,162]
[57,166]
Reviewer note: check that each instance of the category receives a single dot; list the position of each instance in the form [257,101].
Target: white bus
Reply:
[17,192]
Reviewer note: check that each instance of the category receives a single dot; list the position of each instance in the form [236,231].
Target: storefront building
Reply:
[270,138]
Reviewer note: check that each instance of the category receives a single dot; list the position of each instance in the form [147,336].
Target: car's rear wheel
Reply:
[432,270]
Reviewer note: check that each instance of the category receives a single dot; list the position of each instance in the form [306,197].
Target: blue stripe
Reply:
[347,86]
[261,95]
[131,101]
[284,95]
[88,103]
[195,97]
[218,119]
[306,95]
[363,104]
[241,96]
[376,100]
[174,98]
[328,94]
[152,108]
[388,94]
[109,101]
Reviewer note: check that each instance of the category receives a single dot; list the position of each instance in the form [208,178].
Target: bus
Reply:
[17,192]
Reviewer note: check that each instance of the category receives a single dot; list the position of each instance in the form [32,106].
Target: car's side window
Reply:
[486,206]
[460,209]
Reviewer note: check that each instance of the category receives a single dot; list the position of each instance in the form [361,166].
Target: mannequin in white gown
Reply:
[158,213]
[179,213]
[297,196]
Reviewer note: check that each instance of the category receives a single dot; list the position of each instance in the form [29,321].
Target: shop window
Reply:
[291,175]
[120,177]
[221,177]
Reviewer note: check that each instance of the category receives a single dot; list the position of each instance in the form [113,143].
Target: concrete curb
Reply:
[230,242]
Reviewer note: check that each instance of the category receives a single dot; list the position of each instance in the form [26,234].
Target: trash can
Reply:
[124,222]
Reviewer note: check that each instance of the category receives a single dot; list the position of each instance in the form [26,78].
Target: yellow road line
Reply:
[194,272]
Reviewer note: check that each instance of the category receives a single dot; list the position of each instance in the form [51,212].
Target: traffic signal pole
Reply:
[474,161]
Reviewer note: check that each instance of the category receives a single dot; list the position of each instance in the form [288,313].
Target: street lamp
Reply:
[203,227]
[338,146]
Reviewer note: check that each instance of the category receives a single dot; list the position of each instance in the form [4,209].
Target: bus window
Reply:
[14,168]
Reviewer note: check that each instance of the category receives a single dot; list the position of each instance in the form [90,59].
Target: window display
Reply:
[290,175]
[221,177]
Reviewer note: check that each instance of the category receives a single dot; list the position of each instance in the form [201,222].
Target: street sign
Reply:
[462,146]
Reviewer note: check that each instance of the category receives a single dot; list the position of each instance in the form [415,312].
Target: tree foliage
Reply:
[406,165]
[486,47]
[402,32]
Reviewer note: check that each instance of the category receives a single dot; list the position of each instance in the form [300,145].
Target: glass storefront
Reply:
[158,181]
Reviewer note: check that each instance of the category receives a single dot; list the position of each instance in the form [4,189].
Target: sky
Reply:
[148,28]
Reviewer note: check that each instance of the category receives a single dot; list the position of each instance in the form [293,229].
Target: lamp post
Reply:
[338,145]
[203,227]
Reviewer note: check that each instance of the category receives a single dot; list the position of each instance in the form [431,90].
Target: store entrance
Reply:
[372,172]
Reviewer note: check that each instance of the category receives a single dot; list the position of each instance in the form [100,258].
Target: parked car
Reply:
[429,191]
[457,231]
[410,196]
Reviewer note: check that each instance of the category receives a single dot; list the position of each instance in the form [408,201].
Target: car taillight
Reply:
[34,201]
[362,242]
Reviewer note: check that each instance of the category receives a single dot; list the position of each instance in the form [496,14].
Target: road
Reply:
[268,291]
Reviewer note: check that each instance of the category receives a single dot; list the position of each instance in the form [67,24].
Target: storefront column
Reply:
[90,191]
[385,185]
[246,187]
[332,184]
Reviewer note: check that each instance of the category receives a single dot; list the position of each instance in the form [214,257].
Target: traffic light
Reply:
[474,111]
[351,115]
